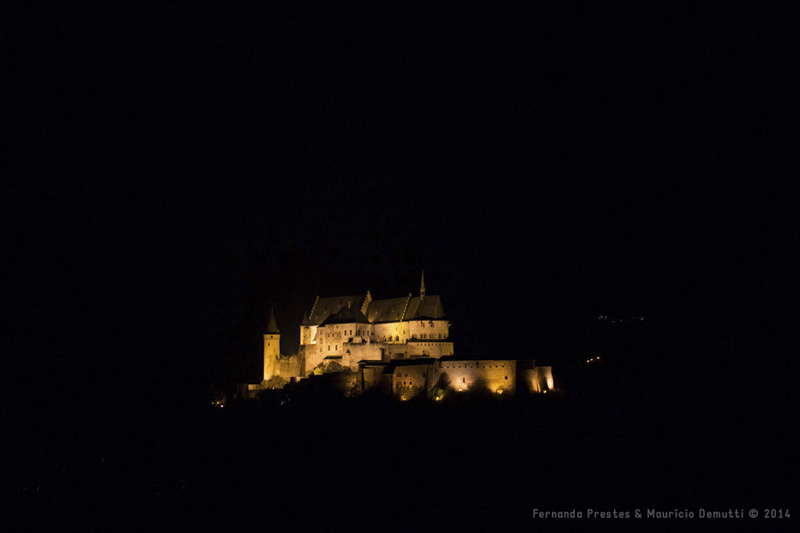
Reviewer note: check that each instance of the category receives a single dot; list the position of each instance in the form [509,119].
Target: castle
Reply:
[400,344]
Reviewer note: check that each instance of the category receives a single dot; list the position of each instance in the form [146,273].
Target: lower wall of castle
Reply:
[538,379]
[493,375]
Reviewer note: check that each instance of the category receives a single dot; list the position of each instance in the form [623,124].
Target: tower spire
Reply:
[272,327]
[422,285]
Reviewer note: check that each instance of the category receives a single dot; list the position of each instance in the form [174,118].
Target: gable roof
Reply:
[324,307]
[346,315]
[345,309]
[391,310]
[428,307]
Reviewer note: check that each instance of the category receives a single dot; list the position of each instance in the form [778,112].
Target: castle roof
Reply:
[428,307]
[362,309]
[421,361]
[346,315]
[446,358]
[408,308]
[372,362]
[391,310]
[272,327]
[324,307]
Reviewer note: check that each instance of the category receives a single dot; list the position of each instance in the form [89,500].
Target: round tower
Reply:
[272,347]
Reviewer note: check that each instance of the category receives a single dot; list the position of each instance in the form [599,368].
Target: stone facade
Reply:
[497,376]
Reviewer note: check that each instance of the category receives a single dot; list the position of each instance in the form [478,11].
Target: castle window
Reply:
[463,380]
[506,377]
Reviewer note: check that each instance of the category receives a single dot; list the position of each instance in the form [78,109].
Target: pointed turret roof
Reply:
[272,327]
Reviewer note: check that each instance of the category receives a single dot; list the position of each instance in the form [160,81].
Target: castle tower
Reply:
[422,286]
[272,346]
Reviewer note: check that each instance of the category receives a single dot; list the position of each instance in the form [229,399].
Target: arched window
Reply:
[397,337]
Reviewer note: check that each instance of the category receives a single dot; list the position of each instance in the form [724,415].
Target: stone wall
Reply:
[370,376]
[429,329]
[355,342]
[343,381]
[421,376]
[272,349]
[430,349]
[288,366]
[492,374]
[391,332]
[538,379]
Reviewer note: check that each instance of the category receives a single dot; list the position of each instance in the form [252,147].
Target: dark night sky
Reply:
[189,166]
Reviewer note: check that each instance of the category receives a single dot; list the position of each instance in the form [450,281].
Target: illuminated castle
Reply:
[399,343]
[350,329]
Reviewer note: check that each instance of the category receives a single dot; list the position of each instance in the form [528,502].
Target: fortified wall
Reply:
[495,375]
